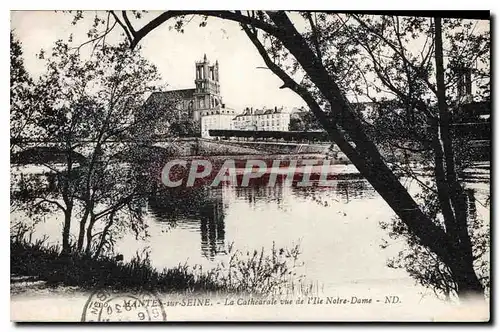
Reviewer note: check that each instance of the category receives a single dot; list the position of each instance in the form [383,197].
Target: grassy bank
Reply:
[47,264]
[255,272]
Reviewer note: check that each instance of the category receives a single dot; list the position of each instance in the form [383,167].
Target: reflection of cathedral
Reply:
[212,227]
[194,208]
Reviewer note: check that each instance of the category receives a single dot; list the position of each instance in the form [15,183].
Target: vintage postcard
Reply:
[250,166]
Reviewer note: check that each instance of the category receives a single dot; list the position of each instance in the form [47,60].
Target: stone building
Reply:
[221,118]
[202,100]
[274,119]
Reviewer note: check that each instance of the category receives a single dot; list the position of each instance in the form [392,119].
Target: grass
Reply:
[46,263]
[254,272]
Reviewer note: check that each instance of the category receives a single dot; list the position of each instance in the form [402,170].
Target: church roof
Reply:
[163,97]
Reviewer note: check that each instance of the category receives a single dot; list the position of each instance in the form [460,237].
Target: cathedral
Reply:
[203,99]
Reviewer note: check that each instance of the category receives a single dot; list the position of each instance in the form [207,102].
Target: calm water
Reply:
[337,229]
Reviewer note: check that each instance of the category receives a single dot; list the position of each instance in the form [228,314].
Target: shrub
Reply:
[254,272]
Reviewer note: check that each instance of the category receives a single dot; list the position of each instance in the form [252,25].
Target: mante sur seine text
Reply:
[314,300]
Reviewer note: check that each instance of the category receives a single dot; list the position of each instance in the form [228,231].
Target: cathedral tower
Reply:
[207,91]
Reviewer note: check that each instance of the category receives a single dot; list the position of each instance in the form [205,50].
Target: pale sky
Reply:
[242,84]
[174,53]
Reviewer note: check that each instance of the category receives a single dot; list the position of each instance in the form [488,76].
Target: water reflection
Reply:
[343,191]
[212,228]
[199,208]
[204,209]
[260,193]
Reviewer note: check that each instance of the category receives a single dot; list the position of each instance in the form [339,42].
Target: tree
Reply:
[92,108]
[306,121]
[184,128]
[327,65]
[296,124]
[420,122]
[21,94]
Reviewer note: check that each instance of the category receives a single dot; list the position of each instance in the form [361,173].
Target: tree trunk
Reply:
[66,245]
[104,233]
[468,285]
[365,156]
[88,249]
[68,201]
[462,264]
[81,233]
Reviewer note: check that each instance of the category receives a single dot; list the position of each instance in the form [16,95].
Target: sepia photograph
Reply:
[250,165]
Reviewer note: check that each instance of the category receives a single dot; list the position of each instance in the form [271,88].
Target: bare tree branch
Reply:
[232,16]
[315,36]
[125,29]
[127,22]
[400,52]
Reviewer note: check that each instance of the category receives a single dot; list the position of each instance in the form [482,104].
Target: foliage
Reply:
[424,265]
[184,128]
[295,124]
[261,272]
[22,116]
[257,273]
[304,122]
[76,269]
[91,107]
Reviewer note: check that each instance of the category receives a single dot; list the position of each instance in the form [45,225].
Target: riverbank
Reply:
[34,262]
[37,267]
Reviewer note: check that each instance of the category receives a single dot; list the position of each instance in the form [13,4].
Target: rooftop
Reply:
[164,95]
[251,111]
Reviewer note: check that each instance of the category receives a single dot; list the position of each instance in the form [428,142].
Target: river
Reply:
[337,229]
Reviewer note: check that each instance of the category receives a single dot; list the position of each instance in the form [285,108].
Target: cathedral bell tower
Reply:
[207,91]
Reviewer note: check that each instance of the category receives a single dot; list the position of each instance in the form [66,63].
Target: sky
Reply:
[242,83]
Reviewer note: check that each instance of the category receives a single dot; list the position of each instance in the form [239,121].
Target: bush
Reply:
[252,273]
